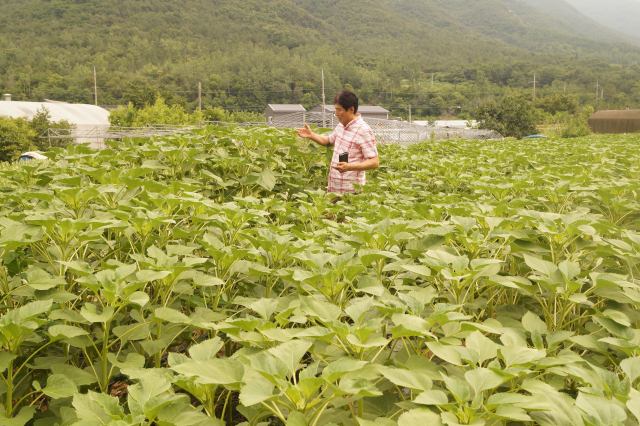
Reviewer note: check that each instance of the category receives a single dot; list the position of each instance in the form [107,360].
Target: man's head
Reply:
[346,104]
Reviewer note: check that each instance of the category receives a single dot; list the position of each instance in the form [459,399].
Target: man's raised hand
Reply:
[305,132]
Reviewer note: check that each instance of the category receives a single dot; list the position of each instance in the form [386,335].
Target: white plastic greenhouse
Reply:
[88,119]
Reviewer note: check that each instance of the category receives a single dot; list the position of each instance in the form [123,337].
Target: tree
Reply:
[511,117]
[558,103]
[158,113]
[146,96]
[15,138]
[39,124]
[309,100]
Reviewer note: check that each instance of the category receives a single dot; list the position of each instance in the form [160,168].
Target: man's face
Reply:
[344,116]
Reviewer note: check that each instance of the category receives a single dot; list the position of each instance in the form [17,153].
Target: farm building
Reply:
[625,121]
[86,118]
[278,110]
[365,111]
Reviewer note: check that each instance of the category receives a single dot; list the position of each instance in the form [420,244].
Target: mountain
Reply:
[584,25]
[247,53]
[621,15]
[518,24]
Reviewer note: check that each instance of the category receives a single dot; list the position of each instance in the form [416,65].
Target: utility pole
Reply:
[409,113]
[597,89]
[323,100]
[602,95]
[95,85]
[534,87]
[199,96]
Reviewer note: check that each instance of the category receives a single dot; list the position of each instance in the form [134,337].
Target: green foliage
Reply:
[39,124]
[16,137]
[19,135]
[158,113]
[218,114]
[579,126]
[511,117]
[195,280]
[558,103]
[142,97]
[275,54]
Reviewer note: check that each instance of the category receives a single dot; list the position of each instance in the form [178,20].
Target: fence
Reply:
[386,131]
[97,135]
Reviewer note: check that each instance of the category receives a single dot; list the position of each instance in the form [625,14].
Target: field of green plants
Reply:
[203,280]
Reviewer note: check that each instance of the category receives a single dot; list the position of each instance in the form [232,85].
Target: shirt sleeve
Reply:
[332,138]
[367,143]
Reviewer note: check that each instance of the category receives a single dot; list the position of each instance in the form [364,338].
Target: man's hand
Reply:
[343,167]
[305,132]
[370,164]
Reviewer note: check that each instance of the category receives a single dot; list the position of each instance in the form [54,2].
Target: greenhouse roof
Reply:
[78,114]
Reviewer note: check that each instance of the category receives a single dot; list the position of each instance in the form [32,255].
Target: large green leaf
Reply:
[446,353]
[256,392]
[267,179]
[482,379]
[631,367]
[600,410]
[339,368]
[65,331]
[90,313]
[206,350]
[150,395]
[97,407]
[171,316]
[291,353]
[21,419]
[420,417]
[60,386]
[5,359]
[414,380]
[214,371]
[483,346]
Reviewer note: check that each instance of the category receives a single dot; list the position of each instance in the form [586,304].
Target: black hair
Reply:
[347,99]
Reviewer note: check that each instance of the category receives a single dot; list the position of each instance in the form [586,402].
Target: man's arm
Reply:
[369,164]
[306,133]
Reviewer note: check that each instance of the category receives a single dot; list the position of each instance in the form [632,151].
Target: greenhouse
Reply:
[86,118]
[626,121]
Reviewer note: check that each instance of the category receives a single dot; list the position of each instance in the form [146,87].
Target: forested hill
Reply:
[622,15]
[248,53]
[584,25]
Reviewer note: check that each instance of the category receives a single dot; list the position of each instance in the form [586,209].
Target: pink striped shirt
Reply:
[358,140]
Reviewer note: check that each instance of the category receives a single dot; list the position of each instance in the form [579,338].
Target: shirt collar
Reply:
[352,121]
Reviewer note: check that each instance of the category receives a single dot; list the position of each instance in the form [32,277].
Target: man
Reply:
[353,136]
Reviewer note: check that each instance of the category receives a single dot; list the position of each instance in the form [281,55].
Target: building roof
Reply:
[366,109]
[624,114]
[77,114]
[621,121]
[372,109]
[287,108]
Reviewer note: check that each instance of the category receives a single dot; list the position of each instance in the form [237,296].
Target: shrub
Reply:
[511,116]
[16,137]
[579,126]
[39,125]
[158,113]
